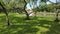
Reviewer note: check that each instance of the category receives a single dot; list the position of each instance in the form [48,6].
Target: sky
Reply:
[52,1]
[28,6]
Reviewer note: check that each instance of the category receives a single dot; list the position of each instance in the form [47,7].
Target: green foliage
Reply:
[13,3]
[48,8]
[1,0]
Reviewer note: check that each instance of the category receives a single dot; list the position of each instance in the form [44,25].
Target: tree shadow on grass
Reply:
[22,29]
[15,19]
[21,21]
[3,28]
[54,27]
[51,25]
[2,19]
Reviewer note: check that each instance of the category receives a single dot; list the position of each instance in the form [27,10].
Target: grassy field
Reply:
[39,25]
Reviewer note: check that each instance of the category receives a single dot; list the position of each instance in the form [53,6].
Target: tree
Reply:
[41,7]
[22,4]
[56,17]
[27,15]
[6,12]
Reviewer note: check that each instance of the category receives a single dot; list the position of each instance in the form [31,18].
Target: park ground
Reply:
[37,25]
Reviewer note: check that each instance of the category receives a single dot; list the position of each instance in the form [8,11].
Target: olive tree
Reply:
[5,11]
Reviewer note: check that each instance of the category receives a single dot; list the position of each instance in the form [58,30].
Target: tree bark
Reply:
[6,13]
[27,15]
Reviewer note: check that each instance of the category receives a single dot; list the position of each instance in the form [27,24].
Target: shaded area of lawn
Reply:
[19,25]
[22,29]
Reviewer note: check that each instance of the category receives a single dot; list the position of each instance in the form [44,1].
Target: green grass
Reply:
[39,25]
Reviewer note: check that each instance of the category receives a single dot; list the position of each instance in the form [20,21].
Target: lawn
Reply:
[39,25]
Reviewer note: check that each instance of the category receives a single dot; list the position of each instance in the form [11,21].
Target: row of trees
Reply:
[51,7]
[47,8]
[21,4]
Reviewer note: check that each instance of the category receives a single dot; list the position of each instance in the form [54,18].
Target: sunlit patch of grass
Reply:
[47,25]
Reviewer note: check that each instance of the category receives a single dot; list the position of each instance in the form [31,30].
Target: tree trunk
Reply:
[27,15]
[56,16]
[7,19]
